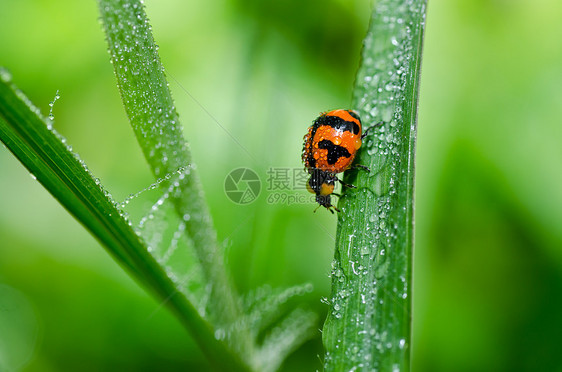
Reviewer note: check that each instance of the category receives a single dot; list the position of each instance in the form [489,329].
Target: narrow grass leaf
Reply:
[154,119]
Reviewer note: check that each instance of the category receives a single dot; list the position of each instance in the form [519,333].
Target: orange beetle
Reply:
[329,148]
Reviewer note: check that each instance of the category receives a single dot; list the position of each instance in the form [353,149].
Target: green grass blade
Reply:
[153,117]
[44,153]
[368,326]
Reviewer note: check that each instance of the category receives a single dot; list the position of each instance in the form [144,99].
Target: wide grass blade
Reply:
[368,326]
[44,153]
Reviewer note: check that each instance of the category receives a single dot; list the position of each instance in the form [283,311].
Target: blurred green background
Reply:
[488,255]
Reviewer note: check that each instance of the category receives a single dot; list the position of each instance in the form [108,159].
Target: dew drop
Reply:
[52,104]
[5,75]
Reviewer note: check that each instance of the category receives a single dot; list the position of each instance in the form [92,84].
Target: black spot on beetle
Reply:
[337,123]
[334,151]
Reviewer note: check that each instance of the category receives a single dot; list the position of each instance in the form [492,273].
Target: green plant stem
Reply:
[44,154]
[153,117]
[368,326]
